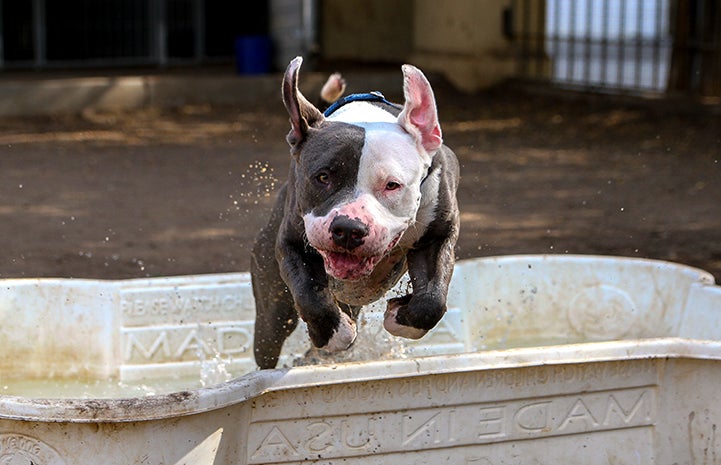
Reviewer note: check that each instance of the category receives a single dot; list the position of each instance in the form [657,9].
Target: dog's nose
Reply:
[347,232]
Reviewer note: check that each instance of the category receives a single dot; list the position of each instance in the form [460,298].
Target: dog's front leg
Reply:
[430,268]
[302,270]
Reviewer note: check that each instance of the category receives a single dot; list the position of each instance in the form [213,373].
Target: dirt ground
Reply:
[152,193]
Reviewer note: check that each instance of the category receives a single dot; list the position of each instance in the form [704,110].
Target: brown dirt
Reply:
[153,193]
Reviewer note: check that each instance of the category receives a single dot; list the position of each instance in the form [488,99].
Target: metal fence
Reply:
[89,33]
[624,46]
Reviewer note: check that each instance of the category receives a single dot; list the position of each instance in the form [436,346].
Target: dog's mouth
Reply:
[350,267]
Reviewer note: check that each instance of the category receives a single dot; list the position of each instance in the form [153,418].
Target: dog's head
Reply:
[358,173]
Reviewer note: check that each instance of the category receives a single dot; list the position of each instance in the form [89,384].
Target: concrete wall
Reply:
[367,30]
[462,39]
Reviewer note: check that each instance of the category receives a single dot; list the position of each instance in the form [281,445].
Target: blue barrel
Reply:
[252,54]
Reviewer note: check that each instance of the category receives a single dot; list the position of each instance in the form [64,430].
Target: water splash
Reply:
[372,343]
[213,367]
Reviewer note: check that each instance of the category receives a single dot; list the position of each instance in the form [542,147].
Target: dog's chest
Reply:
[374,286]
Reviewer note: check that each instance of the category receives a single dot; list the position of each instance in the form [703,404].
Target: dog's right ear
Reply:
[303,114]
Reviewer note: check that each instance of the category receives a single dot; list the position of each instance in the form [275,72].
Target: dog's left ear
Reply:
[419,116]
[303,114]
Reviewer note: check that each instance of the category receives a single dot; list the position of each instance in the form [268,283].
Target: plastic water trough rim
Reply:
[259,382]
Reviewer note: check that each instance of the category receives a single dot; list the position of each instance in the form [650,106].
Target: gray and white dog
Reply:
[371,194]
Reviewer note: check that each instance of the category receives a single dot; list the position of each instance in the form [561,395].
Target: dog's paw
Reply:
[343,336]
[391,324]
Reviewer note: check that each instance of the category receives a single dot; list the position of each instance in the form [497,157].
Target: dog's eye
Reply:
[323,178]
[392,185]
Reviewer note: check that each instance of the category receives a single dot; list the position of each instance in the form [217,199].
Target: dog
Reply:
[371,194]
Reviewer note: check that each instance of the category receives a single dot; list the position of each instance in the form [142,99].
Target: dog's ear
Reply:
[419,116]
[303,114]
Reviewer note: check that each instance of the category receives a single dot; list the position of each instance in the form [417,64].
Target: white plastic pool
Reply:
[540,359]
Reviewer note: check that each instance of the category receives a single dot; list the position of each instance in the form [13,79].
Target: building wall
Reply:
[463,39]
[367,30]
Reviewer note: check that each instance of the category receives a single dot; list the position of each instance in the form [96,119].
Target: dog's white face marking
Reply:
[391,167]
[386,197]
[391,170]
